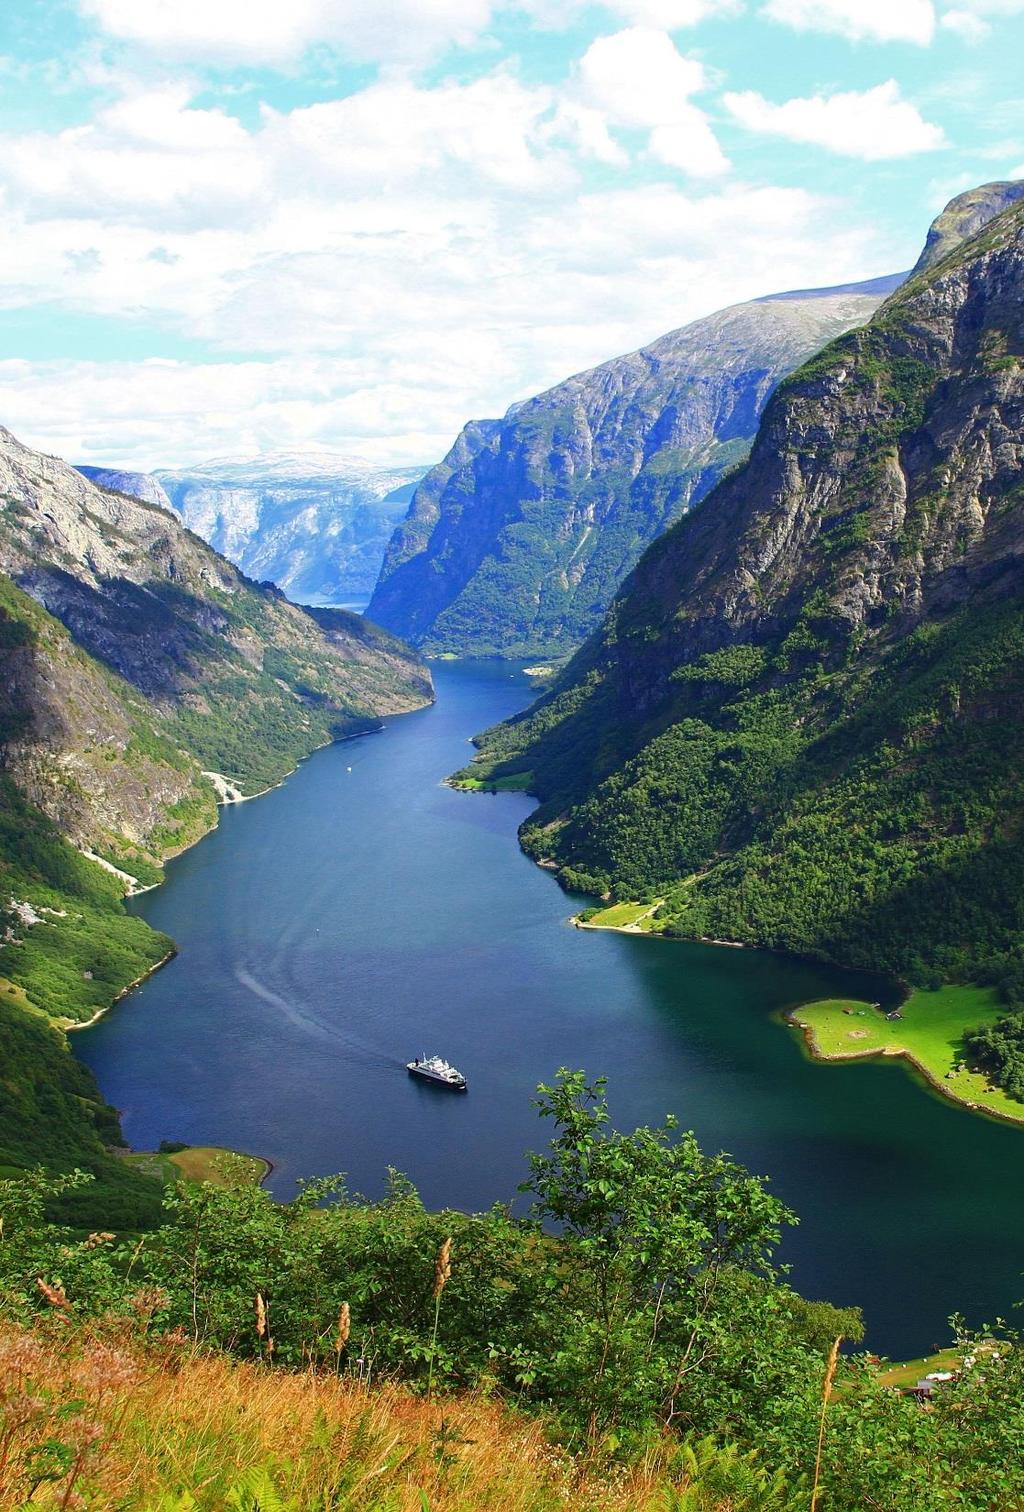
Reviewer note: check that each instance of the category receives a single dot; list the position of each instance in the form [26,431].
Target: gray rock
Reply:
[517,542]
[137,485]
[964,217]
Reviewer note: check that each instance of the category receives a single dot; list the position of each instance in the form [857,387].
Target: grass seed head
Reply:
[54,1295]
[442,1268]
[259,1307]
[344,1327]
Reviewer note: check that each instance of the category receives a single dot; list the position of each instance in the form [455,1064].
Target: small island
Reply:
[926,1031]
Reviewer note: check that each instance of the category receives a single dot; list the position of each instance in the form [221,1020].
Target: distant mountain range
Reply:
[516,543]
[315,523]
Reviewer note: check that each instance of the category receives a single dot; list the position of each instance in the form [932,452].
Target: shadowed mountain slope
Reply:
[799,723]
[517,542]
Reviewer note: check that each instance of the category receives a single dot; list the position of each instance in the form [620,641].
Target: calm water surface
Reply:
[363,913]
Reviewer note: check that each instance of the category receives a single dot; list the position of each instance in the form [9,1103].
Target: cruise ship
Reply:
[432,1068]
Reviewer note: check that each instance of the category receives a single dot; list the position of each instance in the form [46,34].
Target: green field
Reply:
[519,782]
[622,916]
[929,1036]
[223,1168]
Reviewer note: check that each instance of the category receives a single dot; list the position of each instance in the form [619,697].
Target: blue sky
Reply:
[233,226]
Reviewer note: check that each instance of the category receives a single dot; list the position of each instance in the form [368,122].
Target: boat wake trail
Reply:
[312,1026]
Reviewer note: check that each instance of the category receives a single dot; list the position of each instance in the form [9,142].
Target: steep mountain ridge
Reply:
[315,523]
[964,217]
[518,540]
[799,723]
[162,610]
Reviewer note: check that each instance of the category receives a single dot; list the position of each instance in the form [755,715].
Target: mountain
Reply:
[136,662]
[137,485]
[516,543]
[800,721]
[964,217]
[314,523]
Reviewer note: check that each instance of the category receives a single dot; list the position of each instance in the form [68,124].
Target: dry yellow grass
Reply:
[164,1427]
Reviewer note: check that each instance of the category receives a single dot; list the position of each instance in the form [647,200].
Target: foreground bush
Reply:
[636,1313]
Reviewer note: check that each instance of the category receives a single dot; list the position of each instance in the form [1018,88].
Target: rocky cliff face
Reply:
[136,485]
[798,722]
[964,217]
[316,524]
[517,542]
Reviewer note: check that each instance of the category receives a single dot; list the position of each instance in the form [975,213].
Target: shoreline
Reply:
[133,890]
[933,1082]
[71,1027]
[634,926]
[936,1084]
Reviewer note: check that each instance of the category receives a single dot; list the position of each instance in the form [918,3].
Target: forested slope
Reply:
[800,721]
[134,661]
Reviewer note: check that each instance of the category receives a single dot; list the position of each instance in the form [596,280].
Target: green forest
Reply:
[635,1305]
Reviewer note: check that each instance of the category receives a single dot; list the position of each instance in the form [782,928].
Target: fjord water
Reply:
[363,913]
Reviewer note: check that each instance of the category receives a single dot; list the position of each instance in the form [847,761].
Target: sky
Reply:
[238,226]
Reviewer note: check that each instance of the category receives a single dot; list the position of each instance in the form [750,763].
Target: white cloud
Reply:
[389,262]
[638,79]
[973,19]
[966,25]
[277,32]
[400,319]
[669,15]
[873,125]
[994,7]
[859,20]
[665,15]
[147,154]
[639,76]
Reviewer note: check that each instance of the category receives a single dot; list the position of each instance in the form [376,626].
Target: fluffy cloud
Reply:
[859,20]
[972,19]
[146,156]
[965,24]
[872,125]
[388,262]
[273,32]
[638,79]
[384,326]
[669,14]
[665,15]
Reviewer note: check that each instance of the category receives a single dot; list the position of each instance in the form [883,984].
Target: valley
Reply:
[748,859]
[327,934]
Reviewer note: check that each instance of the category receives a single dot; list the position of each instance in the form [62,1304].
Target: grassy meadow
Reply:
[929,1036]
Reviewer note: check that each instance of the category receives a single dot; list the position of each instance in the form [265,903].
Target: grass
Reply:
[929,1037]
[518,782]
[13,993]
[624,916]
[163,1427]
[222,1168]
[910,1372]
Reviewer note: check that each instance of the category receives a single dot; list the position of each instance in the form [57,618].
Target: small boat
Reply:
[432,1068]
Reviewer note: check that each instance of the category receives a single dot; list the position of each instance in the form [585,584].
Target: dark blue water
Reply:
[363,913]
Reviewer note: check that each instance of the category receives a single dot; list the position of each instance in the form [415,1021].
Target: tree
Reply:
[664,1303]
